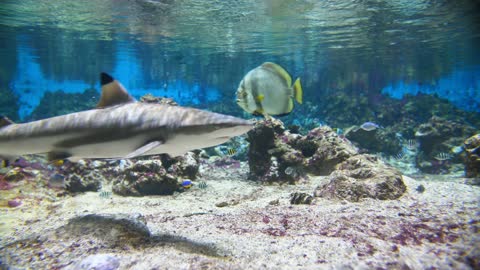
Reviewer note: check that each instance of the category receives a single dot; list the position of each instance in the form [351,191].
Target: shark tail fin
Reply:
[4,121]
[113,92]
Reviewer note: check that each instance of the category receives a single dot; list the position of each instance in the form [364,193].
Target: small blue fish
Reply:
[186,184]
[369,126]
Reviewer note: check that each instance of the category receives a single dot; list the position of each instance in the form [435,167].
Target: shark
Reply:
[119,128]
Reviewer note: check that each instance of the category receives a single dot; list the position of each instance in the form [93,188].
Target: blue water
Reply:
[197,51]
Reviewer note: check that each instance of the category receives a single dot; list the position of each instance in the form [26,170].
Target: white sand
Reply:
[438,228]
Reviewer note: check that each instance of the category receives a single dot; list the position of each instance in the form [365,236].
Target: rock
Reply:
[363,176]
[14,203]
[14,175]
[377,140]
[437,138]
[438,130]
[98,262]
[89,180]
[185,166]
[278,155]
[149,98]
[324,149]
[472,159]
[145,177]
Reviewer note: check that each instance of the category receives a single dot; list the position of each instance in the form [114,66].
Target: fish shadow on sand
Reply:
[96,233]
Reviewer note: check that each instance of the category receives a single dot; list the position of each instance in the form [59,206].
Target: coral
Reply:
[84,175]
[436,139]
[90,180]
[185,166]
[59,102]
[145,177]
[277,155]
[14,175]
[472,159]
[363,176]
[9,104]
[324,149]
[149,98]
[377,140]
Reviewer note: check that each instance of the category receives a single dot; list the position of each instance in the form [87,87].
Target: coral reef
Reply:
[85,175]
[472,159]
[145,177]
[59,102]
[363,176]
[436,140]
[156,176]
[9,104]
[274,153]
[377,140]
[149,98]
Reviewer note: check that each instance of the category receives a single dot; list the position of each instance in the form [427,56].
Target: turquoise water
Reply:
[197,51]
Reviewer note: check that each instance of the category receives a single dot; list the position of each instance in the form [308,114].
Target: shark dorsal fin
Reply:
[113,92]
[4,121]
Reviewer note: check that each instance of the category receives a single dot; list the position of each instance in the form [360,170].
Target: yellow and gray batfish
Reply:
[268,90]
[119,128]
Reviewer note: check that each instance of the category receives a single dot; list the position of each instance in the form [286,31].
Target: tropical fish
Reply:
[231,151]
[104,194]
[202,185]
[119,128]
[4,163]
[369,126]
[187,184]
[268,90]
[442,156]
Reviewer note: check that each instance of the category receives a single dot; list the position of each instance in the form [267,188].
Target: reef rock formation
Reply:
[437,137]
[472,160]
[377,140]
[363,176]
[277,155]
[145,177]
[160,176]
[84,175]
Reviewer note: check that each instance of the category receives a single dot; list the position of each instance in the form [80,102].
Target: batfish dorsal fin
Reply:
[4,121]
[279,70]
[113,92]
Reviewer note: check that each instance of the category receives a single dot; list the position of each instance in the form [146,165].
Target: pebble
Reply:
[98,262]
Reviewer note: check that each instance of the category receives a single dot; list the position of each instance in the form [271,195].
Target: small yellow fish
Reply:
[4,163]
[58,162]
[231,151]
[268,90]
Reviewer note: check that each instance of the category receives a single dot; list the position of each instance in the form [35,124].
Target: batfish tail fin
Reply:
[5,121]
[113,92]
[297,91]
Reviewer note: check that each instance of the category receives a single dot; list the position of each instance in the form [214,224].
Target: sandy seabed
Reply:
[234,223]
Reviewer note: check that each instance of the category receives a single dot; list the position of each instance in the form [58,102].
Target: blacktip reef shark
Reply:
[119,128]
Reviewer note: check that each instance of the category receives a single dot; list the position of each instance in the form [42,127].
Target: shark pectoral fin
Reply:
[57,155]
[113,92]
[144,149]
